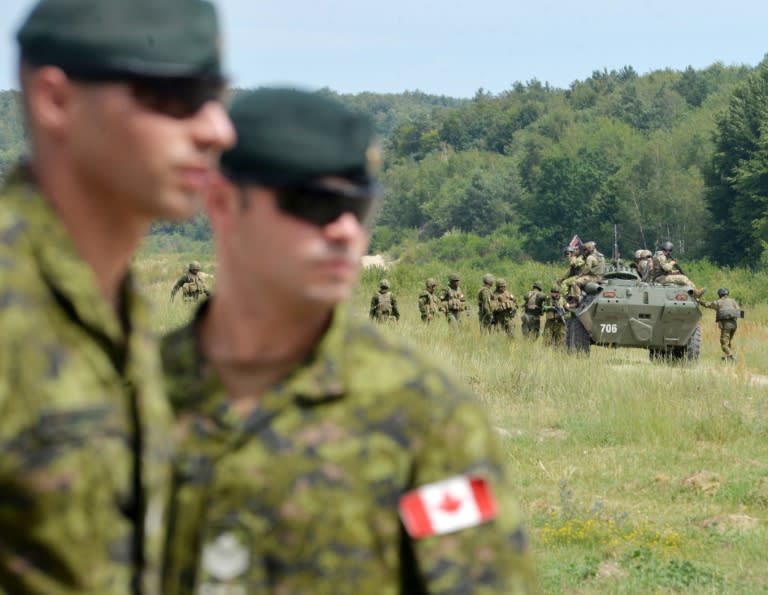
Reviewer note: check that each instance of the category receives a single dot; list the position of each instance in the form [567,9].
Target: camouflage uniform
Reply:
[554,326]
[592,270]
[666,270]
[484,307]
[504,307]
[302,495]
[81,404]
[531,317]
[575,269]
[192,285]
[727,311]
[384,306]
[428,304]
[453,302]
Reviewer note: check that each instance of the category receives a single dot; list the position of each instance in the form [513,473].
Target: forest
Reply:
[623,159]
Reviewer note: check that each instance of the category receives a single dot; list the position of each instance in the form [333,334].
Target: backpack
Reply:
[384,305]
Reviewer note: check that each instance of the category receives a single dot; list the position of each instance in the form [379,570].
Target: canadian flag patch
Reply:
[447,506]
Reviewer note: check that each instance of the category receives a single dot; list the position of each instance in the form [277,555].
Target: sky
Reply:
[455,47]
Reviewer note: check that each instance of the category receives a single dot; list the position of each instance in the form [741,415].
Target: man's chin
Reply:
[181,207]
[330,295]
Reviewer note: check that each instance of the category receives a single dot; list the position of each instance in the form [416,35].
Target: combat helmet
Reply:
[488,279]
[590,246]
[500,283]
[383,284]
[454,277]
[538,285]
[194,266]
[722,292]
[430,283]
[638,254]
[555,289]
[569,250]
[667,246]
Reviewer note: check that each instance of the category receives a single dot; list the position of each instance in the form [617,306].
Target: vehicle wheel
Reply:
[577,338]
[693,348]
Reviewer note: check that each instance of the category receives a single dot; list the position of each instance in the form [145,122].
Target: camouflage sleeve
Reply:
[488,558]
[182,280]
[395,311]
[374,303]
[486,301]
[423,304]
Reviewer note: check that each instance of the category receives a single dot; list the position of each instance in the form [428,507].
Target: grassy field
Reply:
[636,477]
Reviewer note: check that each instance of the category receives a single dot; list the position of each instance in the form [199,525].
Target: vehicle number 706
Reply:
[609,328]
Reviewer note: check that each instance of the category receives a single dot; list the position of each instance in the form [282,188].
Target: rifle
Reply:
[560,313]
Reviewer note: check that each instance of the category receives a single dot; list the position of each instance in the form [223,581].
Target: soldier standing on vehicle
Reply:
[727,312]
[452,300]
[504,308]
[484,312]
[666,270]
[120,100]
[383,304]
[554,313]
[428,303]
[316,454]
[531,317]
[191,284]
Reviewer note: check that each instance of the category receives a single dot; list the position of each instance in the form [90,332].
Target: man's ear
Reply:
[49,97]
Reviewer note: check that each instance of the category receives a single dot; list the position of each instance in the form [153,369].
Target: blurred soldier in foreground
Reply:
[383,304]
[666,270]
[484,311]
[531,318]
[554,312]
[727,312]
[191,284]
[317,455]
[428,304]
[504,308]
[452,300]
[120,100]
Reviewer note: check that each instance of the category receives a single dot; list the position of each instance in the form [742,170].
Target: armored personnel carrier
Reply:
[623,311]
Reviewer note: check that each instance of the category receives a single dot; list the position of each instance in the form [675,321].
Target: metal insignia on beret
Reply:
[225,557]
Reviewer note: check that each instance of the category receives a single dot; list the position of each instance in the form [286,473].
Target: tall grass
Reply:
[637,477]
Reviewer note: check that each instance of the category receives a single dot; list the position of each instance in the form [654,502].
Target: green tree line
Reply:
[669,155]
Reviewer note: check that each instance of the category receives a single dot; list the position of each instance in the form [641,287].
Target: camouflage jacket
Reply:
[534,300]
[453,299]
[383,306]
[664,265]
[80,396]
[302,495]
[484,307]
[551,307]
[503,304]
[427,304]
[575,266]
[192,287]
[726,308]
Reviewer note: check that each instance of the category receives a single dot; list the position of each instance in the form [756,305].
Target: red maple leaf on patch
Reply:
[449,504]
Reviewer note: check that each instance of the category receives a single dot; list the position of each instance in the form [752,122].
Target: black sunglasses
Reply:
[321,206]
[176,97]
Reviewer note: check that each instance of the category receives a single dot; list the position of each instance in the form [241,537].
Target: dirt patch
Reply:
[725,523]
[705,482]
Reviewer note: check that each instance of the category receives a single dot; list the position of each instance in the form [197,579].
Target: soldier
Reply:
[642,262]
[727,312]
[531,318]
[191,283]
[123,131]
[504,308]
[484,312]
[593,269]
[428,304]
[554,312]
[666,270]
[301,457]
[575,269]
[383,304]
[452,299]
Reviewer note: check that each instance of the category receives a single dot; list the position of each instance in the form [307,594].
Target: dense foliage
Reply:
[668,155]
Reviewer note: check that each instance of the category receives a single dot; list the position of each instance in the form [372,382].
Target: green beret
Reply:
[102,39]
[289,137]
